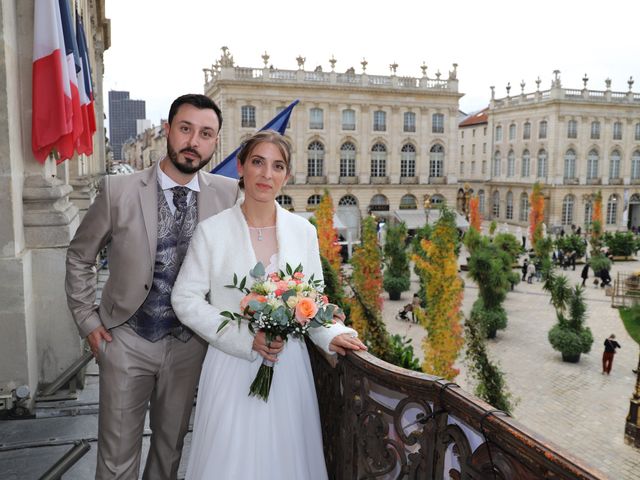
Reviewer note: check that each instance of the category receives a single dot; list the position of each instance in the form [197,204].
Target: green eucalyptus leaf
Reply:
[258,271]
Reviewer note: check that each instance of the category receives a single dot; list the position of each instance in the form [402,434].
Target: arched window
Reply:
[408,160]
[313,201]
[635,165]
[570,164]
[526,164]
[509,212]
[495,204]
[614,165]
[498,133]
[592,164]
[511,164]
[437,199]
[408,202]
[612,210]
[572,129]
[378,160]
[481,202]
[512,131]
[379,203]
[617,131]
[316,119]
[496,164]
[436,161]
[524,207]
[315,159]
[567,210]
[248,116]
[348,200]
[348,119]
[526,131]
[542,164]
[348,160]
[285,201]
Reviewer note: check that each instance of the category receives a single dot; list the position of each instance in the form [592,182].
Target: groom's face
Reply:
[192,138]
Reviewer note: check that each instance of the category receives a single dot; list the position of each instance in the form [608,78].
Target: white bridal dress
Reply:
[236,436]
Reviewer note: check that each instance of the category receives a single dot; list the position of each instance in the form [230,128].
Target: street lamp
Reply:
[632,425]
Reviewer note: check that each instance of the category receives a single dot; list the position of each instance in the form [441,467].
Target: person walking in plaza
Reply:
[525,267]
[146,356]
[235,435]
[585,273]
[610,346]
[531,272]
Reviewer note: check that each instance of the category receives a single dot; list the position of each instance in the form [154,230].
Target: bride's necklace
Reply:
[259,229]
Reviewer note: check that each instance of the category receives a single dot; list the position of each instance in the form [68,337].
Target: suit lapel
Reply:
[209,202]
[149,203]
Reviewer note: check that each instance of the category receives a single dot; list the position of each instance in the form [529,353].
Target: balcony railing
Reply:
[383,422]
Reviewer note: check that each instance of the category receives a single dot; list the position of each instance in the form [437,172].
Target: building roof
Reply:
[477,118]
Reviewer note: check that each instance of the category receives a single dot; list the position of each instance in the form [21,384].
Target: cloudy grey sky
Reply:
[159,47]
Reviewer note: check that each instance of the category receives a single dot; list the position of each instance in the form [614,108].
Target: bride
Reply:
[236,435]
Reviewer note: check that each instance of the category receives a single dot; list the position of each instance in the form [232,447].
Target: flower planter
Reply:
[571,358]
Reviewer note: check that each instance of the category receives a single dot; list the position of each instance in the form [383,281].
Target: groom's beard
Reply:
[189,167]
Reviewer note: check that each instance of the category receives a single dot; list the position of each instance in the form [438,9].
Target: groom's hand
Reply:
[268,350]
[96,337]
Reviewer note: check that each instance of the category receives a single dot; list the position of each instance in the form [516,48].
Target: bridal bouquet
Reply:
[280,304]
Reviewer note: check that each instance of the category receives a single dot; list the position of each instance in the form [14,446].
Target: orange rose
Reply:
[306,309]
[252,296]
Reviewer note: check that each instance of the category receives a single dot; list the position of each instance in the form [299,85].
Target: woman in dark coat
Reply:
[585,273]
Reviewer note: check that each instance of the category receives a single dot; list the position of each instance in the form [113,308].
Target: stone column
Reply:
[39,338]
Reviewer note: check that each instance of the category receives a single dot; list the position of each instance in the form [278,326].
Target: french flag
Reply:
[52,123]
[85,141]
[74,67]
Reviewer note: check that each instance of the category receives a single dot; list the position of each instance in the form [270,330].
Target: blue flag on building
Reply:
[229,168]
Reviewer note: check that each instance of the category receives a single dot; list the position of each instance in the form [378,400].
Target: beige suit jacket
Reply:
[124,217]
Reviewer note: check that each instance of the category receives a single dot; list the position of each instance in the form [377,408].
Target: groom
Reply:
[146,356]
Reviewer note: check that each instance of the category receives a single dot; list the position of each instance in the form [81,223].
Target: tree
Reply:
[475,217]
[569,336]
[444,292]
[366,304]
[396,277]
[536,215]
[327,234]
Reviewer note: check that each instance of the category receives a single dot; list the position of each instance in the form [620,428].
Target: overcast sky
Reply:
[158,48]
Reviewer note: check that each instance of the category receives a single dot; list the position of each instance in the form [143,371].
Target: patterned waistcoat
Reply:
[155,318]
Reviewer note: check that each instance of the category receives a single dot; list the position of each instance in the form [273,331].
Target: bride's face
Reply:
[264,172]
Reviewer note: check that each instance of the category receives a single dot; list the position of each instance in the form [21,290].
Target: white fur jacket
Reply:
[220,247]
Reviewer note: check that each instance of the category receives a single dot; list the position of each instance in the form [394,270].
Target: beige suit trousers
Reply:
[136,374]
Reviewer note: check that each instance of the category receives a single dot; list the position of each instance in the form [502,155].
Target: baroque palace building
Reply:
[379,143]
[574,142]
[390,144]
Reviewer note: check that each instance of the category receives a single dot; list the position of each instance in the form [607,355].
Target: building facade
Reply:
[379,143]
[40,211]
[574,142]
[123,116]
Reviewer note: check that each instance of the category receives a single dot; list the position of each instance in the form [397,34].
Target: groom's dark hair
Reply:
[197,100]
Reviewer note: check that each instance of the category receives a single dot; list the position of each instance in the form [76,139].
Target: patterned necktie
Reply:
[180,198]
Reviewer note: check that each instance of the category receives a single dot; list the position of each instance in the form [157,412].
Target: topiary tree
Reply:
[570,243]
[569,336]
[396,278]
[443,290]
[366,284]
[620,244]
[327,234]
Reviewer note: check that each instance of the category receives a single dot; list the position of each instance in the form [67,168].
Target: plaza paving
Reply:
[573,405]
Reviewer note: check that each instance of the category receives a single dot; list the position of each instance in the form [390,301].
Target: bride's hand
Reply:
[268,350]
[343,342]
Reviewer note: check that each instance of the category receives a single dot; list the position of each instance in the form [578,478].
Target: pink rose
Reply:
[244,303]
[306,309]
[325,299]
[282,285]
[298,275]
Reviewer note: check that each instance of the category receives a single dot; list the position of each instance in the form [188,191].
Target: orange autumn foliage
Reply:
[475,217]
[366,310]
[327,234]
[444,292]
[536,214]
